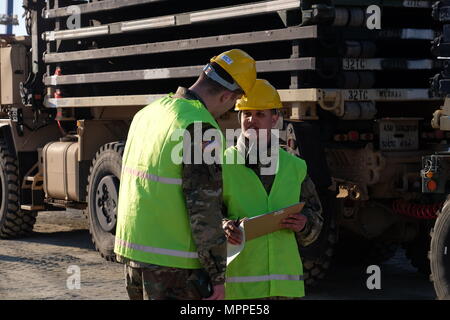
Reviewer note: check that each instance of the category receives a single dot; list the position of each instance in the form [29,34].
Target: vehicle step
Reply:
[34,178]
[29,207]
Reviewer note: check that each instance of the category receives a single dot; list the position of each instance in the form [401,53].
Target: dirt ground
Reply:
[37,267]
[45,266]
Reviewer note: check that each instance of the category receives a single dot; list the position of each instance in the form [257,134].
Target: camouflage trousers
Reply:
[162,283]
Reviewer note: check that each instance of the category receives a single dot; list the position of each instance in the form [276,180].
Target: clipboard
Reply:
[269,222]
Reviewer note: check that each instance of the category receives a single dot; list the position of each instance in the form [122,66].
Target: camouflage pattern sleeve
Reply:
[313,211]
[202,187]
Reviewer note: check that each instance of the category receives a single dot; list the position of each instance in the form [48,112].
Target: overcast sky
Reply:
[18,10]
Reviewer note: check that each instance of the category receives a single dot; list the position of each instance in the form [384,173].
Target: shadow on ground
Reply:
[73,238]
[398,281]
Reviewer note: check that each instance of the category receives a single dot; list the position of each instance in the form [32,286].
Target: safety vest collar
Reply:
[256,178]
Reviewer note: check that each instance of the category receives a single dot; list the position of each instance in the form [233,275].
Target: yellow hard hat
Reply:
[263,96]
[239,65]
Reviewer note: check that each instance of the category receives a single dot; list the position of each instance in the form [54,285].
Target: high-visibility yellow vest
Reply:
[153,224]
[269,265]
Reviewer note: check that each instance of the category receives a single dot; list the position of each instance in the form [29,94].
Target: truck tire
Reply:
[304,140]
[13,222]
[316,258]
[440,254]
[316,268]
[102,196]
[417,250]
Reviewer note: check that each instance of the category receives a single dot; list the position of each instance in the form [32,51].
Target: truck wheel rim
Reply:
[106,202]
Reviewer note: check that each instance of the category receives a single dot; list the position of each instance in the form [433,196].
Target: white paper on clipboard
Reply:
[234,250]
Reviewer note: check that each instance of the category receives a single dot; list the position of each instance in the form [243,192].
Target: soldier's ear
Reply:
[226,96]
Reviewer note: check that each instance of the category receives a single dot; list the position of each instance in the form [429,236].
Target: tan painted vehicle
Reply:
[435,167]
[353,79]
[435,182]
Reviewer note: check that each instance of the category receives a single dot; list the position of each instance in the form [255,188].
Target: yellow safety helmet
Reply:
[263,96]
[239,65]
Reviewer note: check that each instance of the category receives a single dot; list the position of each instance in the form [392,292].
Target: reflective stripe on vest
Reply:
[145,175]
[266,278]
[167,252]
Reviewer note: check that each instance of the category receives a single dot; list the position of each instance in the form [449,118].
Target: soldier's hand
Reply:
[296,222]
[232,232]
[218,293]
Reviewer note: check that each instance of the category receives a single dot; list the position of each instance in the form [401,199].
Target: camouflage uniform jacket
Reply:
[202,187]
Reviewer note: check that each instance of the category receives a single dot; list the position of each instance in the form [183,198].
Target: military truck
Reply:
[435,167]
[352,75]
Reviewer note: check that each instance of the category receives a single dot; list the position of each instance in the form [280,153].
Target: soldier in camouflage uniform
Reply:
[202,187]
[234,73]
[307,225]
[312,210]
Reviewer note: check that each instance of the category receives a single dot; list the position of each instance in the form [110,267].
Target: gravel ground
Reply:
[44,266]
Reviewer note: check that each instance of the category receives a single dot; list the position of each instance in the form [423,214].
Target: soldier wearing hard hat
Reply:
[169,232]
[268,266]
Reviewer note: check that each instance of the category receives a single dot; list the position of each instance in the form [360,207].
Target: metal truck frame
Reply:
[435,171]
[67,104]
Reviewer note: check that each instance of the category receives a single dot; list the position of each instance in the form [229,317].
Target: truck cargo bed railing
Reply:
[278,65]
[175,72]
[174,20]
[105,5]
[287,96]
[93,7]
[246,38]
